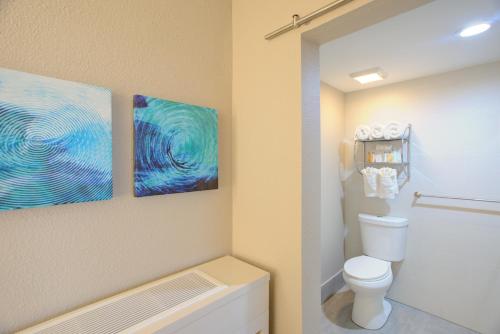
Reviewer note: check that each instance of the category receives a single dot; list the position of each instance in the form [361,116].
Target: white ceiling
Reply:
[417,43]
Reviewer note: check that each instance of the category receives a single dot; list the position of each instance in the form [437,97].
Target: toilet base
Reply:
[369,312]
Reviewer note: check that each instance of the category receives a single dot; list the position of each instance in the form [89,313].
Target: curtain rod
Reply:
[297,21]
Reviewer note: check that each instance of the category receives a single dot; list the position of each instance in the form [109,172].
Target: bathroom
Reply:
[442,91]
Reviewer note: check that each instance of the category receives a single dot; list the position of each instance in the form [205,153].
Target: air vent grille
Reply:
[119,315]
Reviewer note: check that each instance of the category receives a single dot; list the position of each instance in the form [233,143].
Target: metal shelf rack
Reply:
[362,147]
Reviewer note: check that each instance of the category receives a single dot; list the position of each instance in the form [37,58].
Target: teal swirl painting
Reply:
[55,141]
[176,147]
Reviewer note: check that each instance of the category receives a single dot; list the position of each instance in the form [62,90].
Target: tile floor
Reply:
[336,319]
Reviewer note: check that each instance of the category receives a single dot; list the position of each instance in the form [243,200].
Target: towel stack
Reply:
[370,180]
[377,131]
[388,186]
[363,132]
[392,130]
[381,183]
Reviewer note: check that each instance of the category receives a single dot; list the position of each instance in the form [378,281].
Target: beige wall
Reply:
[58,258]
[332,221]
[451,266]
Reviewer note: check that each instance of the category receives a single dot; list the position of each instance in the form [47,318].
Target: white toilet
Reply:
[369,276]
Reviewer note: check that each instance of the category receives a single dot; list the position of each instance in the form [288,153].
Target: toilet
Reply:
[369,276]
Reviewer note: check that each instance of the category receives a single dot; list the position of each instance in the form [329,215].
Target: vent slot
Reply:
[118,315]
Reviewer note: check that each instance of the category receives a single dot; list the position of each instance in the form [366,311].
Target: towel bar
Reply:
[419,195]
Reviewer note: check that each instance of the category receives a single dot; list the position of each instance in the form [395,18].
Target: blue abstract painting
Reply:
[55,141]
[176,147]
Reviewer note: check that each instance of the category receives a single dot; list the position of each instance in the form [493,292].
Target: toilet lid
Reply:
[366,268]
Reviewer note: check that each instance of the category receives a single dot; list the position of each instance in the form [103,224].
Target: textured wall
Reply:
[452,259]
[332,221]
[58,258]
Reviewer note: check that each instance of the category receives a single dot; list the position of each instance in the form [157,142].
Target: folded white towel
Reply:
[362,132]
[377,131]
[370,181]
[387,187]
[393,130]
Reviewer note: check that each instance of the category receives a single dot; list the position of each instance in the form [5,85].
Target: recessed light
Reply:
[475,30]
[367,76]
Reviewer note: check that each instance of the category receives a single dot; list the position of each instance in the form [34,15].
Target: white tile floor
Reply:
[336,319]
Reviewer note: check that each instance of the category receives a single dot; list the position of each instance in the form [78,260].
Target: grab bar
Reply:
[419,195]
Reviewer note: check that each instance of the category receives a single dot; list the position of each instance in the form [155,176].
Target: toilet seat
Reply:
[367,268]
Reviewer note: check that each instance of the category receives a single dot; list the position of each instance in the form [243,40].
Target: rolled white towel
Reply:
[393,130]
[387,187]
[377,131]
[370,181]
[362,132]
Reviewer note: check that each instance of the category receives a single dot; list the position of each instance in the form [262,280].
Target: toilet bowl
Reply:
[369,276]
[369,279]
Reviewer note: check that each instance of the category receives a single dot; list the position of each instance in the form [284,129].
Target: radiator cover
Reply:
[116,316]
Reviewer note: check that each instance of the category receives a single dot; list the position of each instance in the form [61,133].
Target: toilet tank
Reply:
[383,237]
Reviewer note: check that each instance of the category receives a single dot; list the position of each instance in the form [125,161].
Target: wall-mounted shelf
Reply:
[390,149]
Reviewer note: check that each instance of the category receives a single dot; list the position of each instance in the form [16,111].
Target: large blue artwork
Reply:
[55,141]
[176,147]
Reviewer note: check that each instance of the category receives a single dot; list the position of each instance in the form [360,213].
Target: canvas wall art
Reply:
[55,141]
[176,147]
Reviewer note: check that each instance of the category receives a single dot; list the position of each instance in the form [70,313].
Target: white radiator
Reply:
[224,296]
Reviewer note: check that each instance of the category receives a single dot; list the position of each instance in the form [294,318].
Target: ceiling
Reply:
[418,43]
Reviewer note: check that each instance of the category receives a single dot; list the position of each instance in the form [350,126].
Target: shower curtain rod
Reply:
[297,21]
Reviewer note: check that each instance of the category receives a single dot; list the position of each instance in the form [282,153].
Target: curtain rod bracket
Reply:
[298,21]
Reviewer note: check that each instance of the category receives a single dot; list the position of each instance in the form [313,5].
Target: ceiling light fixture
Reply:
[367,76]
[475,30]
